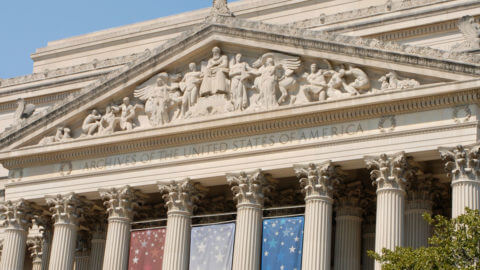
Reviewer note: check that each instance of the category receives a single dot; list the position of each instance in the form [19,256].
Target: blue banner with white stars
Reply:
[282,243]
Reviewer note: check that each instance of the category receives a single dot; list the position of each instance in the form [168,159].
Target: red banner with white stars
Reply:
[146,249]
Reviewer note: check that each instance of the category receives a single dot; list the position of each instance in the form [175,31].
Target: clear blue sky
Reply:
[27,25]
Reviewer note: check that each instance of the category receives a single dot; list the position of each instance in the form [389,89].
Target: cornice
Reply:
[263,124]
[300,38]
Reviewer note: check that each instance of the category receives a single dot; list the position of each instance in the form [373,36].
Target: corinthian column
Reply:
[348,233]
[317,181]
[35,248]
[17,219]
[180,198]
[420,194]
[98,244]
[462,164]
[248,191]
[388,173]
[120,203]
[66,210]
[368,237]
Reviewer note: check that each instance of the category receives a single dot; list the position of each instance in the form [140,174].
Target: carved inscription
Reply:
[223,147]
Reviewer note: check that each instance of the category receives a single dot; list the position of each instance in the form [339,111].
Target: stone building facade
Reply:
[255,109]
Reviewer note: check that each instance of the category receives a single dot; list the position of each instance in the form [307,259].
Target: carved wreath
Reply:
[456,111]
[393,123]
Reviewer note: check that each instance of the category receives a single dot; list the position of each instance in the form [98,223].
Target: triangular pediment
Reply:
[259,67]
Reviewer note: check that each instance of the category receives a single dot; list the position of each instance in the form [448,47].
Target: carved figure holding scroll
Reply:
[315,89]
[240,73]
[91,123]
[215,79]
[361,83]
[190,86]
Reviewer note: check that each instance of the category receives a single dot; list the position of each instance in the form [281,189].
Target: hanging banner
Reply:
[212,247]
[282,243]
[146,249]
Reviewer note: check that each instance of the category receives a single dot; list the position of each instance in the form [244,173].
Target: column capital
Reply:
[318,180]
[35,246]
[65,208]
[388,172]
[120,202]
[462,162]
[248,188]
[181,196]
[16,214]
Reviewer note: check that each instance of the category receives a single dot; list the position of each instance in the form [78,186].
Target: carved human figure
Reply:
[189,86]
[66,135]
[268,84]
[361,83]
[315,89]
[91,123]
[240,73]
[127,114]
[215,75]
[393,81]
[108,122]
[336,83]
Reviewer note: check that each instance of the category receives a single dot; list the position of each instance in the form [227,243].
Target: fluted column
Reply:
[66,210]
[348,233]
[17,219]
[98,247]
[388,173]
[462,164]
[317,181]
[420,193]
[35,248]
[248,191]
[46,247]
[180,198]
[120,203]
[368,243]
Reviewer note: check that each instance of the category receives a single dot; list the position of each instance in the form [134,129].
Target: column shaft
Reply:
[247,249]
[390,220]
[348,239]
[177,241]
[97,254]
[37,265]
[317,234]
[47,246]
[81,262]
[14,245]
[63,246]
[465,193]
[417,229]
[117,244]
[368,244]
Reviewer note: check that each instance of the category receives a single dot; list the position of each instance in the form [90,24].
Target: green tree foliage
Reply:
[455,244]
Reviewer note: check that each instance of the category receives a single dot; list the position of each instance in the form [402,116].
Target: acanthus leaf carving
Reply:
[249,188]
[16,214]
[319,180]
[471,33]
[66,208]
[462,162]
[388,171]
[120,202]
[181,196]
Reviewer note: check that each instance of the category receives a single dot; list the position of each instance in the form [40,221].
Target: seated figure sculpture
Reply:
[215,79]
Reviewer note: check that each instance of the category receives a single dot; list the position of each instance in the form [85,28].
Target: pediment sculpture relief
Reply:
[230,84]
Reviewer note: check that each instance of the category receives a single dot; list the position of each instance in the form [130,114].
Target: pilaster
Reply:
[388,174]
[120,203]
[16,217]
[463,166]
[180,198]
[317,181]
[249,190]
